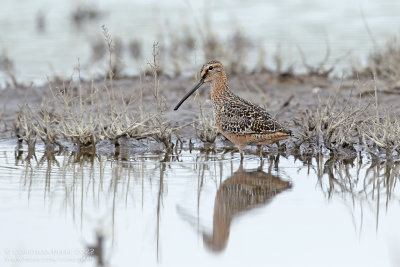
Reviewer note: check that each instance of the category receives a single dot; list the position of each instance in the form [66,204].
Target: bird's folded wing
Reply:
[242,117]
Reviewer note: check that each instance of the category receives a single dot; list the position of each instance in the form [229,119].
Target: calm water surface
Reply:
[196,209]
[273,25]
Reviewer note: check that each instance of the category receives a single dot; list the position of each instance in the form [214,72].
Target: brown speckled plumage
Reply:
[242,122]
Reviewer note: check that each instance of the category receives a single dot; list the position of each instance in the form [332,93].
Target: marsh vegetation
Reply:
[340,115]
[101,155]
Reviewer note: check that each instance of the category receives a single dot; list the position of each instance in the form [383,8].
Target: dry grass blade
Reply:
[335,126]
[85,116]
[347,125]
[206,129]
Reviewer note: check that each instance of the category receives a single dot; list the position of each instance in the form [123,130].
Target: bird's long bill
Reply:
[189,93]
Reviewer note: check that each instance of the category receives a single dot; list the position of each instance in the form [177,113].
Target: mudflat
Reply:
[321,111]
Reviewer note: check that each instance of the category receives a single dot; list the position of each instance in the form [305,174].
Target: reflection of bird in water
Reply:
[243,191]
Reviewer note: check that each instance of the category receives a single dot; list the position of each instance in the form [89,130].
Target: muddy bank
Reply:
[294,100]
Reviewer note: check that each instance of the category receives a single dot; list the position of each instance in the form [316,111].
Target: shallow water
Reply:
[196,209]
[284,25]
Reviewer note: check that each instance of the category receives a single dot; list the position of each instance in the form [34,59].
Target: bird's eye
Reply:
[210,68]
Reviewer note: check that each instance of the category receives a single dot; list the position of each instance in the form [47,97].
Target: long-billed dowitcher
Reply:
[242,122]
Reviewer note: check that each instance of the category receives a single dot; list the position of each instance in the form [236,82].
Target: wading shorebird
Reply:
[242,122]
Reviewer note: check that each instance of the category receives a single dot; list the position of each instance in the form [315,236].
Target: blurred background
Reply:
[46,38]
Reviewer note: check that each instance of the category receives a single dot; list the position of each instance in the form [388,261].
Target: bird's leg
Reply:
[260,168]
[259,148]
[241,155]
[241,164]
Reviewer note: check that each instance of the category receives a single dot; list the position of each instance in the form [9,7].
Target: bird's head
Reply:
[210,72]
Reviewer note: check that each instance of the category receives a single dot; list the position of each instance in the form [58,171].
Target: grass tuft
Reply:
[351,126]
[204,125]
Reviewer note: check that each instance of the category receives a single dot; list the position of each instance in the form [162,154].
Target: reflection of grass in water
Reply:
[74,180]
[371,184]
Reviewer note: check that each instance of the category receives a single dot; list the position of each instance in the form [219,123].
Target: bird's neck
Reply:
[219,87]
